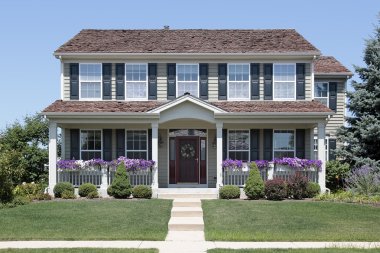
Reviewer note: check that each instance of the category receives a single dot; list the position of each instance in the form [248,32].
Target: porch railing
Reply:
[142,177]
[238,177]
[312,176]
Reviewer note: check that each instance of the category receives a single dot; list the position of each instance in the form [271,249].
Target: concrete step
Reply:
[187,212]
[187,202]
[185,236]
[187,195]
[186,224]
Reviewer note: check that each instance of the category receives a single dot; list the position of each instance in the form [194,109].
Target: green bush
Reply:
[142,192]
[336,173]
[61,187]
[121,187]
[93,195]
[229,192]
[312,190]
[254,186]
[43,196]
[67,194]
[275,189]
[86,188]
[297,185]
[348,197]
[20,201]
[29,190]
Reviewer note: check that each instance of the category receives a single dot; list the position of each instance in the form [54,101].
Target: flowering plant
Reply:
[262,164]
[69,165]
[297,163]
[232,164]
[135,164]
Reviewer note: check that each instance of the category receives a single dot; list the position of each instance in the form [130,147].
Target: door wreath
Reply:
[187,151]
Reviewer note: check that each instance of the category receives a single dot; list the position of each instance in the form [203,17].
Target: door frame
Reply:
[197,159]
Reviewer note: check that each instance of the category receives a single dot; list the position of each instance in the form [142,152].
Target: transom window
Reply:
[187,79]
[137,144]
[136,78]
[90,79]
[238,81]
[283,143]
[321,92]
[284,81]
[90,144]
[238,144]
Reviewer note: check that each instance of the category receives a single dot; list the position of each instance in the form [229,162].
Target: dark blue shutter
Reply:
[107,144]
[255,144]
[255,81]
[171,74]
[150,144]
[152,81]
[120,83]
[203,81]
[225,143]
[333,89]
[300,77]
[107,76]
[300,143]
[74,144]
[74,81]
[222,81]
[268,81]
[332,148]
[268,144]
[120,142]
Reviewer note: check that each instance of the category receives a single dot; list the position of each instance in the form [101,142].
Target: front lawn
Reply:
[87,220]
[230,220]
[79,250]
[295,251]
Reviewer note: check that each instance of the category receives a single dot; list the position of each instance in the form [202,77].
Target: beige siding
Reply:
[307,144]
[163,166]
[66,81]
[66,153]
[161,81]
[211,162]
[213,81]
[308,82]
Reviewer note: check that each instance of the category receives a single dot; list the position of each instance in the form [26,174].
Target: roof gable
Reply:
[328,65]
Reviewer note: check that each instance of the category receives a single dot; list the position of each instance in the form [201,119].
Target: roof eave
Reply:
[237,115]
[335,74]
[140,115]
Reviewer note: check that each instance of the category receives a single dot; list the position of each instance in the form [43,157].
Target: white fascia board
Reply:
[90,115]
[283,115]
[345,75]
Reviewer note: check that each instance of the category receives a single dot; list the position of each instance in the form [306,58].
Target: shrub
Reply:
[29,190]
[121,187]
[93,195]
[312,190]
[43,196]
[67,194]
[61,187]
[364,180]
[229,192]
[336,173]
[297,186]
[142,192]
[20,201]
[86,188]
[348,197]
[275,189]
[254,186]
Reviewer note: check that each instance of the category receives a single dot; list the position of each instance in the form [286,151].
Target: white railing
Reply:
[141,177]
[239,177]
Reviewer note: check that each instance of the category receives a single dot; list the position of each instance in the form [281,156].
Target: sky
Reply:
[32,29]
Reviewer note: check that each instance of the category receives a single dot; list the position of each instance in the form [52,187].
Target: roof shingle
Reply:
[329,65]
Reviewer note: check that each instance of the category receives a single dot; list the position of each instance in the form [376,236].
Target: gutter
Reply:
[250,115]
[137,115]
[347,75]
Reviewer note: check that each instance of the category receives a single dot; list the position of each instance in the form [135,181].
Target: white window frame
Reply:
[88,150]
[101,82]
[327,147]
[328,91]
[249,143]
[176,78]
[146,81]
[142,150]
[280,150]
[249,81]
[295,82]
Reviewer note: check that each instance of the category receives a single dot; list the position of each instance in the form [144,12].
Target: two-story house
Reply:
[188,99]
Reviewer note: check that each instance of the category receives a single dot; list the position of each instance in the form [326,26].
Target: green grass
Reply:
[295,251]
[78,250]
[229,220]
[87,220]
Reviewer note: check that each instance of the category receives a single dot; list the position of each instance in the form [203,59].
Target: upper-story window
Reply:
[187,79]
[90,79]
[136,80]
[238,81]
[284,81]
[321,92]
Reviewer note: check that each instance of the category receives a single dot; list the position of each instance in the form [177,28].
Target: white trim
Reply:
[294,142]
[147,142]
[312,79]
[62,80]
[176,78]
[249,143]
[295,82]
[249,81]
[101,82]
[125,81]
[90,150]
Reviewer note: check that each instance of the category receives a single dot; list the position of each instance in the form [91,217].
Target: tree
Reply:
[361,137]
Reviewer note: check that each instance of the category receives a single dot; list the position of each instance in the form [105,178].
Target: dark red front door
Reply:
[187,159]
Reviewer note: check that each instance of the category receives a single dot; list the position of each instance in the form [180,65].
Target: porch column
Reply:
[322,155]
[219,154]
[155,156]
[52,155]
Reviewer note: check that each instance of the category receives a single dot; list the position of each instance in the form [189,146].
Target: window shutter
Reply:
[150,144]
[224,138]
[107,144]
[222,81]
[255,81]
[74,81]
[300,78]
[171,73]
[120,142]
[268,144]
[255,144]
[120,83]
[152,81]
[107,75]
[268,81]
[300,143]
[203,81]
[332,148]
[74,144]
[333,87]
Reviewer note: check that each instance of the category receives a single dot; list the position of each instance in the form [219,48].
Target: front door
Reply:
[187,166]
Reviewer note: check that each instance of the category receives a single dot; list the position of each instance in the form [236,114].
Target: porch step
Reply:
[186,224]
[184,202]
[187,195]
[187,212]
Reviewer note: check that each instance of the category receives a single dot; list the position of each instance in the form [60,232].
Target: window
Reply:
[90,144]
[316,148]
[238,144]
[187,79]
[283,143]
[137,144]
[238,81]
[136,78]
[284,81]
[321,92]
[90,79]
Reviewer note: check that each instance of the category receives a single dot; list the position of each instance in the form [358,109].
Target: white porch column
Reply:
[311,136]
[322,155]
[155,157]
[219,154]
[52,155]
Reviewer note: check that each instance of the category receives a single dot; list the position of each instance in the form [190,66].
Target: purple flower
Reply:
[232,164]
[299,164]
[68,165]
[262,164]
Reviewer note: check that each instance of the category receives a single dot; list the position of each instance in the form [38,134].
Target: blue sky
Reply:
[32,29]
